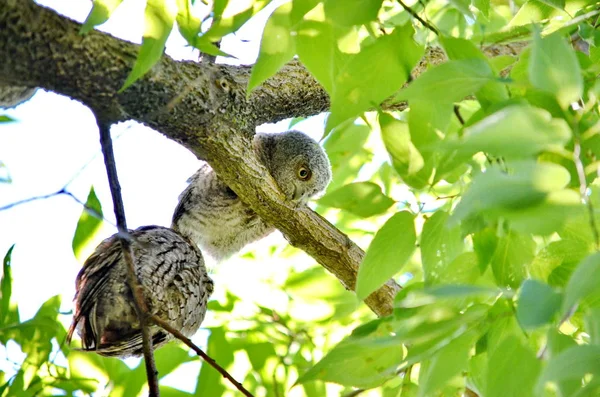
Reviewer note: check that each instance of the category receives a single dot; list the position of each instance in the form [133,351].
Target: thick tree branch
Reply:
[213,119]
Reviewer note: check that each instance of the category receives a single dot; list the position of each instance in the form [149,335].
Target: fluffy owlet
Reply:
[174,280]
[213,216]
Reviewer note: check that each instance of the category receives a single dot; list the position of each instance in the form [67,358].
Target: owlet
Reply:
[215,218]
[174,281]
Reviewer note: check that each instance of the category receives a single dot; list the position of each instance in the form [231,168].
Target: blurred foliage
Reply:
[486,212]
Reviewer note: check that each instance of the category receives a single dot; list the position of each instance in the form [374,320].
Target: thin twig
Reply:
[123,236]
[583,189]
[167,327]
[60,192]
[458,115]
[418,18]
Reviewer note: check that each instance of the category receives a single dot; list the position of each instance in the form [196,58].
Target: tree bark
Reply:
[201,106]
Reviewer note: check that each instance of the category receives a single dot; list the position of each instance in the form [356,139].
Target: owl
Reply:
[174,281]
[221,224]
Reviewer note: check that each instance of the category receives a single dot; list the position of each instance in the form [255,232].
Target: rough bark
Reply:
[202,106]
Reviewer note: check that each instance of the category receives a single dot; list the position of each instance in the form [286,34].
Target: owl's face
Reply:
[298,164]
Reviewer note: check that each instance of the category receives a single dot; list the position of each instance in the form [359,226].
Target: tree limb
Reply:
[214,119]
[139,301]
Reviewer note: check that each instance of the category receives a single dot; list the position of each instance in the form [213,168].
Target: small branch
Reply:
[62,191]
[583,190]
[167,327]
[138,296]
[458,115]
[418,18]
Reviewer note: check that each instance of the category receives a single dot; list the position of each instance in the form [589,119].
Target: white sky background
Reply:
[55,137]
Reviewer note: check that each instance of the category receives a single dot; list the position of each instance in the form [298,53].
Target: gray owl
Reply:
[174,280]
[213,216]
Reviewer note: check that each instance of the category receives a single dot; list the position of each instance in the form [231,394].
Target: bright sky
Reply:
[55,139]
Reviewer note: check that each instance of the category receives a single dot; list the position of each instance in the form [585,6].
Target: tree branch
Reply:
[125,239]
[214,119]
[167,327]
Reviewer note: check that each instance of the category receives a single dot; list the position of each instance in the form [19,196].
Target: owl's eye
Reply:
[304,173]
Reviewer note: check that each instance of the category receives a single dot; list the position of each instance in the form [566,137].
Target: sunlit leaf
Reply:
[517,359]
[515,131]
[572,363]
[209,380]
[537,304]
[364,199]
[449,82]
[346,152]
[158,23]
[316,44]
[518,194]
[188,22]
[100,12]
[509,263]
[553,67]
[392,246]
[426,121]
[592,322]
[583,282]
[362,84]
[228,18]
[361,362]
[405,157]
[8,314]
[88,224]
[355,12]
[449,361]
[440,245]
[277,46]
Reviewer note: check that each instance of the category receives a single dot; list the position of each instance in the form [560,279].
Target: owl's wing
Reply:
[90,285]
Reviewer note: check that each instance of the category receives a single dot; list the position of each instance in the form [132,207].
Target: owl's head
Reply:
[297,162]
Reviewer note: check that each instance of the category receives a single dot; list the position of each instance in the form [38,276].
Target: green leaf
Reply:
[389,251]
[209,380]
[483,6]
[317,46]
[515,358]
[554,68]
[571,364]
[360,362]
[449,82]
[440,245]
[362,83]
[346,152]
[519,194]
[355,12]
[277,47]
[8,314]
[484,245]
[583,282]
[509,263]
[158,23]
[188,23]
[405,157]
[6,119]
[592,325]
[169,357]
[88,224]
[364,199]
[100,12]
[426,120]
[449,361]
[516,131]
[537,304]
[565,253]
[225,21]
